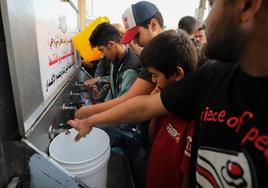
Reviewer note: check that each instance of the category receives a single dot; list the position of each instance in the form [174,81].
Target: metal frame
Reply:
[23,60]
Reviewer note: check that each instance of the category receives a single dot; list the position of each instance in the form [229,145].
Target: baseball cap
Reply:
[134,16]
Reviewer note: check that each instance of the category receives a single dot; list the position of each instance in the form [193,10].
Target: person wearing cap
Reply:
[142,21]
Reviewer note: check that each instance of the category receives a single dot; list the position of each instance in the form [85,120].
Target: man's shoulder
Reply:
[213,74]
[215,67]
[131,55]
[212,63]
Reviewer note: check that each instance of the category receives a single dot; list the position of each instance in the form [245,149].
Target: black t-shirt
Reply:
[231,109]
[145,75]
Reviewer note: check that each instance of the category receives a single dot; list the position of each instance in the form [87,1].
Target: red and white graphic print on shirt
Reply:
[168,162]
[218,168]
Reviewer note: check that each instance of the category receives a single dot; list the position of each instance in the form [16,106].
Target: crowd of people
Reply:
[200,91]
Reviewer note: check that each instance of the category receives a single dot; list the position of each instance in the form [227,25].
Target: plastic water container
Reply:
[86,159]
[81,43]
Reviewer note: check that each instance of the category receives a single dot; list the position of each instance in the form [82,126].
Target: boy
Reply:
[169,57]
[125,64]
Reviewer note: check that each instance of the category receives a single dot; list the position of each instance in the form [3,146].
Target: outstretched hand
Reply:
[82,112]
[81,126]
[90,82]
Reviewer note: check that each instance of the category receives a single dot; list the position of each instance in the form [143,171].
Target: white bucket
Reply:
[86,159]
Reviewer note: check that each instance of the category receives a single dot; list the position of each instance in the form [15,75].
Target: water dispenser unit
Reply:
[46,81]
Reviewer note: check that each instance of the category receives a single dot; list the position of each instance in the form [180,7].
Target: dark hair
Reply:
[188,24]
[202,27]
[158,16]
[168,50]
[202,59]
[104,33]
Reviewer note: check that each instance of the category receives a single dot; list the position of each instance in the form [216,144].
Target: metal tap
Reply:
[65,107]
[74,94]
[79,84]
[62,128]
[76,104]
[81,89]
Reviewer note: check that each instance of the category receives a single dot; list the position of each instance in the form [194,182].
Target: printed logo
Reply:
[223,169]
[173,133]
[253,135]
[188,148]
[233,174]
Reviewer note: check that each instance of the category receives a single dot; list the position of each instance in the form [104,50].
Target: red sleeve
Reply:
[185,164]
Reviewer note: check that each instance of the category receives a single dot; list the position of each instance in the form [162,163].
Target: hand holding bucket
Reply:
[82,126]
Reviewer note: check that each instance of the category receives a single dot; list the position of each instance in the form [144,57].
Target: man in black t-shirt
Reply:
[228,100]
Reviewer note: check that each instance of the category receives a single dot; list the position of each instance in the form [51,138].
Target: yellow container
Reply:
[81,43]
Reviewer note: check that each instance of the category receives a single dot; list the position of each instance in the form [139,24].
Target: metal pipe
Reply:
[53,131]
[72,5]
[84,70]
[64,107]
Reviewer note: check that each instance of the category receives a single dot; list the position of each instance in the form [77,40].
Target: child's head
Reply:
[169,57]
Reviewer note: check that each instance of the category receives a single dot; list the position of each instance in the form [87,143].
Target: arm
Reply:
[97,79]
[137,109]
[90,82]
[139,87]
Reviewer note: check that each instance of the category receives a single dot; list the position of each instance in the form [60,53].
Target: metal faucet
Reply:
[76,104]
[74,94]
[65,107]
[78,84]
[52,132]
